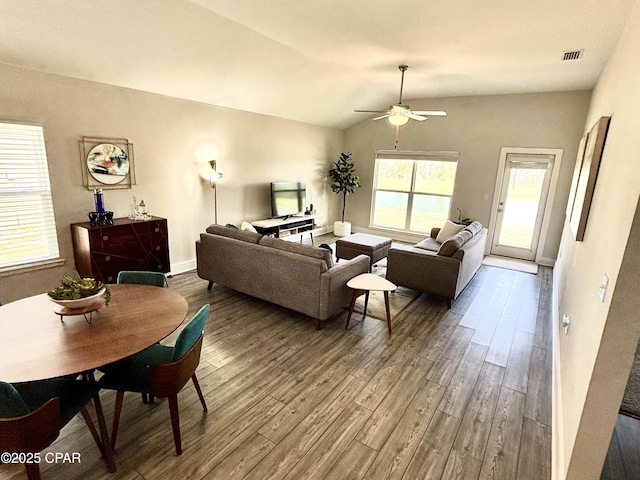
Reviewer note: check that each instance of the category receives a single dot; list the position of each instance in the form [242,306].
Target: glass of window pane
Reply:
[394,175]
[435,177]
[429,211]
[390,209]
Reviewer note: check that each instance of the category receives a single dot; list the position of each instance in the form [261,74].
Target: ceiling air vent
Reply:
[574,55]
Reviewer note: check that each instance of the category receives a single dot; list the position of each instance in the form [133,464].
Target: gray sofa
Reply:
[442,269]
[299,277]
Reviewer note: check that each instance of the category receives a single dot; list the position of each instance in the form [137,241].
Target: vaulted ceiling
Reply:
[315,61]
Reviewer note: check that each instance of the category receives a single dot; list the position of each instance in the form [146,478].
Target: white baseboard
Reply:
[182,267]
[557,422]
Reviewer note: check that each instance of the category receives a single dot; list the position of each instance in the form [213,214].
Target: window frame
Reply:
[39,188]
[415,157]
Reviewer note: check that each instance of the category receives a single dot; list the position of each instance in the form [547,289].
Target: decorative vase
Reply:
[342,229]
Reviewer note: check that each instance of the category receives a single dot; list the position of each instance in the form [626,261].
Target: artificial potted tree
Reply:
[344,181]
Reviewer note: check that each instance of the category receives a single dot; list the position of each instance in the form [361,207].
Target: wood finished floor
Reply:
[452,394]
[623,457]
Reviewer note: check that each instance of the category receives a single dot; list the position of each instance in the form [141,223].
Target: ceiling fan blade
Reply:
[381,117]
[413,116]
[431,113]
[370,111]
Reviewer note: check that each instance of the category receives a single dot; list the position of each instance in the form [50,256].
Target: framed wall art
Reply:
[585,176]
[107,162]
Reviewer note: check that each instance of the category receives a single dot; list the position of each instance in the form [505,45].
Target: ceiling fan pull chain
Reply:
[395,147]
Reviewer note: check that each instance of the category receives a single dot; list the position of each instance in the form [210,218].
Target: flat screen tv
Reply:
[287,198]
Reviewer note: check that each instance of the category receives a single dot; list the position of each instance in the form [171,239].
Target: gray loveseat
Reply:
[299,277]
[442,269]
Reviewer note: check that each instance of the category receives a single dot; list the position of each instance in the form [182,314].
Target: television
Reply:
[287,198]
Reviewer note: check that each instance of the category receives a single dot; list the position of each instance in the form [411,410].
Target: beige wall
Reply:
[170,136]
[478,127]
[592,362]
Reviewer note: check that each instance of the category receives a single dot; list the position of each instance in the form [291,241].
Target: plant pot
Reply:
[341,229]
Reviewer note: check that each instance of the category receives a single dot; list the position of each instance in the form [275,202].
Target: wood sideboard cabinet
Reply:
[101,251]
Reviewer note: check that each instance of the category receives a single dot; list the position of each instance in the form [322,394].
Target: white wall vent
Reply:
[573,55]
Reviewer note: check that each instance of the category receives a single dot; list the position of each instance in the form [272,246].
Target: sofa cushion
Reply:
[451,246]
[308,250]
[474,227]
[243,235]
[448,230]
[429,244]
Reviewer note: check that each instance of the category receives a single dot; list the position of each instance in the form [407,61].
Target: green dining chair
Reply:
[33,413]
[160,371]
[141,278]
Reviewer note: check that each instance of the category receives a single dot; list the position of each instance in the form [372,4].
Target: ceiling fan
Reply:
[399,114]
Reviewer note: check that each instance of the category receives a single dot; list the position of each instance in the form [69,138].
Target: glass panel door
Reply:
[521,206]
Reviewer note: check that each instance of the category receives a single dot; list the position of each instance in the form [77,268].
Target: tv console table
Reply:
[289,227]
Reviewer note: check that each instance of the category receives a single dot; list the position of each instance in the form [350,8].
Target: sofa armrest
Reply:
[334,293]
[423,270]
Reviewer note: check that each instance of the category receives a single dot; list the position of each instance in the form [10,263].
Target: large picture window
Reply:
[412,191]
[27,225]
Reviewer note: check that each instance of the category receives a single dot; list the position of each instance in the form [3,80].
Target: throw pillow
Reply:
[248,227]
[474,227]
[448,230]
[451,246]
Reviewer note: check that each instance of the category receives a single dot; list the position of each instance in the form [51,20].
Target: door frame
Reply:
[546,216]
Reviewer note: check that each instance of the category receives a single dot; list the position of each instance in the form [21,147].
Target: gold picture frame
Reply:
[107,163]
[584,177]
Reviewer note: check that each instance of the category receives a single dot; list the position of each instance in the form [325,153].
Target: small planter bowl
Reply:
[80,302]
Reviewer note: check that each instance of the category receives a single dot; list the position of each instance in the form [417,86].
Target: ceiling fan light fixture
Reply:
[398,120]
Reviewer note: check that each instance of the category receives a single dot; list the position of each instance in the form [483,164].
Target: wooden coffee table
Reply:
[365,283]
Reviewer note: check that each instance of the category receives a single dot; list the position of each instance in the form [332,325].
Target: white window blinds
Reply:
[27,224]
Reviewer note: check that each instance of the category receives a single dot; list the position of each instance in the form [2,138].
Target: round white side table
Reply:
[366,283]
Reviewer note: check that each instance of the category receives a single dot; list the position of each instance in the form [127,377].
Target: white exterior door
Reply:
[524,182]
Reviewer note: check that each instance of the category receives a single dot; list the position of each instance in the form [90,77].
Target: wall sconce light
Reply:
[214,177]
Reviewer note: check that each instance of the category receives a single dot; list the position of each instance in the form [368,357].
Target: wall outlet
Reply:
[603,287]
[565,323]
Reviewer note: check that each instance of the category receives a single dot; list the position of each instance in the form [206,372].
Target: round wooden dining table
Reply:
[37,343]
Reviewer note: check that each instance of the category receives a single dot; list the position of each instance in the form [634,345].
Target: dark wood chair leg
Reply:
[92,429]
[33,471]
[116,417]
[175,423]
[449,303]
[108,451]
[210,286]
[197,385]
[316,323]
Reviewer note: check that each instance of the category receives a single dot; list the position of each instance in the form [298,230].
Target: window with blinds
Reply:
[27,224]
[412,191]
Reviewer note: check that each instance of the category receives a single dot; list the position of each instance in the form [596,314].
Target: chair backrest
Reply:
[190,334]
[141,278]
[11,403]
[23,430]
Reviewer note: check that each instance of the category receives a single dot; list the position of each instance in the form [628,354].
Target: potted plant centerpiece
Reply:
[345,181]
